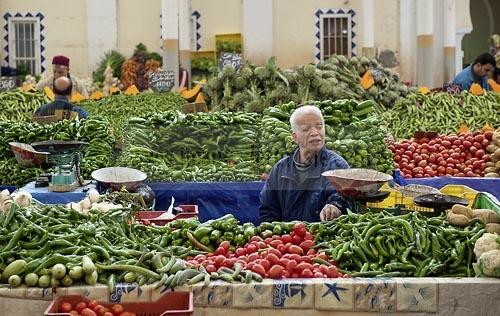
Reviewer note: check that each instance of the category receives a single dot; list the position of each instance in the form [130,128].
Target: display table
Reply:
[294,297]
[241,199]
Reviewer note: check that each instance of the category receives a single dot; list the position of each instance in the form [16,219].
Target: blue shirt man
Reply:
[477,72]
[62,90]
[295,189]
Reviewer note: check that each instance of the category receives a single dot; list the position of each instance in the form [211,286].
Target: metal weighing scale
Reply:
[65,155]
[439,202]
[358,184]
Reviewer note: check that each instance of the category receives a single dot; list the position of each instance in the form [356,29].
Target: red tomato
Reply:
[75,313]
[286,238]
[275,251]
[311,252]
[80,306]
[306,273]
[488,135]
[92,304]
[296,239]
[219,260]
[332,272]
[100,310]
[273,259]
[268,240]
[256,238]
[276,272]
[296,250]
[251,248]
[303,266]
[299,229]
[308,236]
[117,309]
[225,244]
[228,263]
[220,251]
[281,248]
[265,263]
[240,252]
[276,243]
[65,307]
[262,245]
[253,256]
[290,266]
[306,244]
[108,314]
[259,269]
[88,312]
[210,268]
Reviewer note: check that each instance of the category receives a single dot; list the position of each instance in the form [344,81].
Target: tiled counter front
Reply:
[408,296]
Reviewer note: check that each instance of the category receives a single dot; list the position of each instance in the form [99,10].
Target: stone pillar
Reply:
[425,43]
[368,48]
[185,32]
[408,44]
[101,31]
[449,40]
[170,36]
[258,31]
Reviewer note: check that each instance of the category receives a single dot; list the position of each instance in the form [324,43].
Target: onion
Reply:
[85,204]
[93,195]
[23,199]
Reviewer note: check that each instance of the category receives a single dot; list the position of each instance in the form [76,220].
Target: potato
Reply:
[493,228]
[492,175]
[488,216]
[463,210]
[457,219]
[497,153]
[497,165]
[491,148]
[490,164]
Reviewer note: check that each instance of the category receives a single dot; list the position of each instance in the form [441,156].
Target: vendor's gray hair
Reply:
[305,109]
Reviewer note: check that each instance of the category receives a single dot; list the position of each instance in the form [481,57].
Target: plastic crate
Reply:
[172,303]
[462,191]
[188,211]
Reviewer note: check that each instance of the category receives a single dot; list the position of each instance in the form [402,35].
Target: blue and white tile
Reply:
[417,295]
[334,294]
[38,293]
[130,292]
[375,295]
[293,294]
[253,295]
[215,294]
[98,292]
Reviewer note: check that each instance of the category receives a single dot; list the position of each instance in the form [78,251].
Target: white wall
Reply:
[258,30]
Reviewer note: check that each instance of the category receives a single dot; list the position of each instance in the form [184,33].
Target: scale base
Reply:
[63,187]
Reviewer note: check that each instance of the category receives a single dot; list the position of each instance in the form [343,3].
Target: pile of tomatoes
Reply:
[92,308]
[460,155]
[287,256]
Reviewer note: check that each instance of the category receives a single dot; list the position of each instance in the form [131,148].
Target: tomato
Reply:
[275,251]
[265,263]
[219,260]
[259,269]
[299,229]
[88,312]
[286,238]
[220,251]
[262,245]
[276,243]
[240,252]
[479,154]
[65,307]
[75,313]
[268,240]
[273,259]
[228,263]
[117,309]
[296,250]
[311,252]
[303,266]
[296,239]
[281,248]
[251,248]
[276,272]
[225,244]
[80,306]
[256,238]
[210,268]
[108,314]
[253,256]
[306,273]
[291,265]
[332,272]
[100,310]
[306,245]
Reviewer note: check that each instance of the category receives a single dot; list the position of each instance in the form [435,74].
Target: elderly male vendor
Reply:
[60,68]
[295,189]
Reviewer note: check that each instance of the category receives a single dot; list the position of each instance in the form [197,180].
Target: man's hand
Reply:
[329,212]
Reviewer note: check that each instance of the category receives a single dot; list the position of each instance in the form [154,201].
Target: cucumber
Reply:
[14,268]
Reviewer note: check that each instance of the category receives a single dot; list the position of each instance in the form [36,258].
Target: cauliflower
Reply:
[486,243]
[488,264]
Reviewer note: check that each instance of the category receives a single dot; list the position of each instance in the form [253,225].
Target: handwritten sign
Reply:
[161,80]
[452,89]
[7,83]
[229,59]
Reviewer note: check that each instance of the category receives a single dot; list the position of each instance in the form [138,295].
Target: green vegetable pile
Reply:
[95,131]
[363,145]
[381,244]
[276,140]
[442,113]
[19,106]
[255,88]
[171,146]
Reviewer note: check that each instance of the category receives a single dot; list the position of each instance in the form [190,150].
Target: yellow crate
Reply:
[461,191]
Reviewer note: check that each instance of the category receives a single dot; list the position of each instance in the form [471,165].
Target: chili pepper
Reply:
[366,274]
[136,269]
[398,266]
[197,244]
[436,247]
[372,230]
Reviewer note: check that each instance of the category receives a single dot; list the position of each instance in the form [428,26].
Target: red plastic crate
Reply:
[171,303]
[188,211]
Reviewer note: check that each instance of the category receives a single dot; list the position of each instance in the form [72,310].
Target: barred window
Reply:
[335,35]
[24,44]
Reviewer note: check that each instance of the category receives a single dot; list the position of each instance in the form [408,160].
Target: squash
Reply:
[49,93]
[476,89]
[132,90]
[367,80]
[494,85]
[200,98]
[77,97]
[96,95]
[424,90]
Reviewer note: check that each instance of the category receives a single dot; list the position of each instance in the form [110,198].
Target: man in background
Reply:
[477,72]
[60,68]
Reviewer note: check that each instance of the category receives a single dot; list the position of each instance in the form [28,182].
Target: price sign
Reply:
[452,89]
[161,80]
[7,83]
[229,59]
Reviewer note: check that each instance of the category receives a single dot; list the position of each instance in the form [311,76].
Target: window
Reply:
[24,44]
[335,33]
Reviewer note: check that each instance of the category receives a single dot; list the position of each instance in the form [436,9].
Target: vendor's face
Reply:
[60,71]
[484,70]
[310,133]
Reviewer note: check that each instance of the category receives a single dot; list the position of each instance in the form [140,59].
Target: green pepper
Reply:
[229,236]
[202,231]
[277,230]
[215,235]
[249,232]
[240,240]
[205,240]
